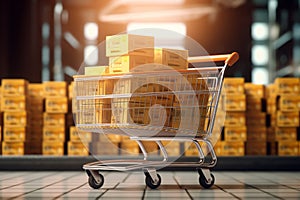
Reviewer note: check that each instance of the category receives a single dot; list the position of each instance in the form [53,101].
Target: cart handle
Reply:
[229,59]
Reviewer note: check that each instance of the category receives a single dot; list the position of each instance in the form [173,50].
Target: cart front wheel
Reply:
[206,184]
[150,183]
[95,184]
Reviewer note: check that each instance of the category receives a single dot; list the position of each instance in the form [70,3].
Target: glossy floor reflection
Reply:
[175,185]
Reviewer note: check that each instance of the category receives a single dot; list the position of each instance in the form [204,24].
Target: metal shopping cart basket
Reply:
[157,106]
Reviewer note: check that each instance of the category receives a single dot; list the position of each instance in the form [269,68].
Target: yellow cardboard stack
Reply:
[287,116]
[14,105]
[54,118]
[36,107]
[78,145]
[235,130]
[256,118]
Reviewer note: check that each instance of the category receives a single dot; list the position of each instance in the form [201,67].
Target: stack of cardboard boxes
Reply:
[235,130]
[15,115]
[287,116]
[54,118]
[35,120]
[256,119]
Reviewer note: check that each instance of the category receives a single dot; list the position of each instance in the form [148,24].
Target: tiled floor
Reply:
[175,185]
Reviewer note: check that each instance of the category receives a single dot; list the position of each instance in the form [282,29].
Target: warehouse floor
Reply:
[175,185]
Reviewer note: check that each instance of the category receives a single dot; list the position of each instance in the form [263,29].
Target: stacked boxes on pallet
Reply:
[256,118]
[54,118]
[36,107]
[15,116]
[235,129]
[287,116]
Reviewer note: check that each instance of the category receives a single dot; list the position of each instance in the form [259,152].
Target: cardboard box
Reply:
[77,149]
[53,148]
[12,148]
[54,119]
[238,133]
[128,44]
[35,106]
[77,135]
[13,103]
[257,133]
[288,148]
[55,89]
[128,63]
[105,87]
[254,90]
[54,134]
[271,91]
[56,105]
[235,119]
[174,58]
[224,148]
[36,90]
[15,119]
[256,119]
[287,119]
[257,148]
[255,104]
[287,85]
[289,103]
[234,102]
[95,70]
[151,148]
[33,147]
[234,85]
[286,134]
[14,87]
[15,134]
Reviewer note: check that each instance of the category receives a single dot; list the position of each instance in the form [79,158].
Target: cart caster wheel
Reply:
[94,184]
[150,183]
[204,183]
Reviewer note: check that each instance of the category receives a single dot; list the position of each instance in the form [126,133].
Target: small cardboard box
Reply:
[234,102]
[13,148]
[128,63]
[15,119]
[14,87]
[13,103]
[235,119]
[53,148]
[234,85]
[288,148]
[129,44]
[287,119]
[54,134]
[254,90]
[286,134]
[174,58]
[56,105]
[77,135]
[287,85]
[15,134]
[54,119]
[77,149]
[55,89]
[235,133]
[289,103]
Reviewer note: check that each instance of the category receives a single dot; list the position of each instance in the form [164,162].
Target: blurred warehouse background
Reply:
[42,40]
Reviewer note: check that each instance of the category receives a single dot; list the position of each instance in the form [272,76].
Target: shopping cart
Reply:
[157,106]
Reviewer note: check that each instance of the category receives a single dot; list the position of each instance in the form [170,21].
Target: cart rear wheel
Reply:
[150,183]
[204,183]
[95,184]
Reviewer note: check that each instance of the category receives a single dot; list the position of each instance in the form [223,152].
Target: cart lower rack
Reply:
[155,106]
